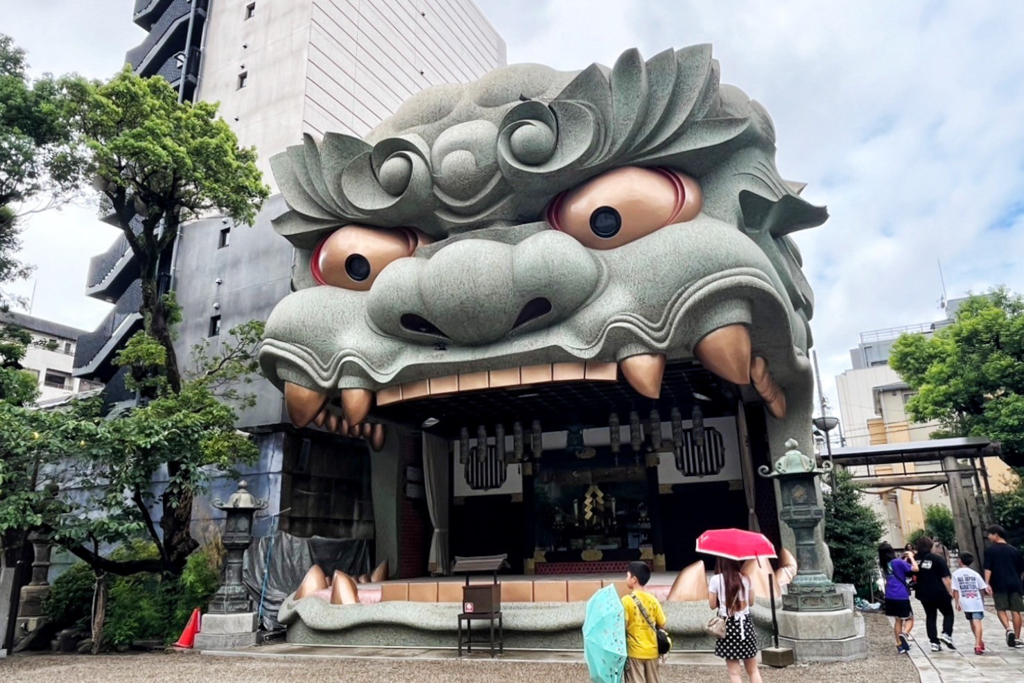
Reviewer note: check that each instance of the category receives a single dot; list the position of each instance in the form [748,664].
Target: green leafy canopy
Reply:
[969,376]
[852,532]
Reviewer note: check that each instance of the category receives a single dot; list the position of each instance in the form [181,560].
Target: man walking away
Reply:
[968,587]
[643,613]
[1003,567]
[935,591]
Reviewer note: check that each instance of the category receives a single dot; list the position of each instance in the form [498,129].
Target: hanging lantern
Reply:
[536,440]
[463,446]
[614,435]
[677,428]
[636,435]
[655,430]
[517,442]
[500,453]
[481,443]
[698,427]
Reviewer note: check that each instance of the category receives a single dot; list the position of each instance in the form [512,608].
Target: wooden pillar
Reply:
[654,511]
[529,519]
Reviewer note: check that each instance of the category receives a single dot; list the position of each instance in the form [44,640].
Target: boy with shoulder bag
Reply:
[646,639]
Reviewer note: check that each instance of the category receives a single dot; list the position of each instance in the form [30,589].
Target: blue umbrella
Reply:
[604,636]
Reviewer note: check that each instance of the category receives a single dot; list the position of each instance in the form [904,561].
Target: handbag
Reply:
[664,641]
[716,626]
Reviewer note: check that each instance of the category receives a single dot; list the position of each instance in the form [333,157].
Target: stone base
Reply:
[817,625]
[777,657]
[226,631]
[823,636]
[221,624]
[224,641]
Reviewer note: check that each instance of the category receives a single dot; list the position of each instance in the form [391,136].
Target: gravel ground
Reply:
[881,666]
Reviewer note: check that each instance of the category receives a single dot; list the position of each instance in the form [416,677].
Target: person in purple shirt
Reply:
[897,572]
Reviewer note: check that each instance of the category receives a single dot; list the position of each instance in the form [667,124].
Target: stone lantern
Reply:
[811,590]
[240,508]
[231,621]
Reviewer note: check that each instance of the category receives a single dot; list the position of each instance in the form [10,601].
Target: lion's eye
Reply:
[624,205]
[352,257]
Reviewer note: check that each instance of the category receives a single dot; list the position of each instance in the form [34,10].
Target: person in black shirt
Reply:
[1003,567]
[935,591]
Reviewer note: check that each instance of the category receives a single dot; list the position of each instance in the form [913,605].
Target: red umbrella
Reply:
[735,544]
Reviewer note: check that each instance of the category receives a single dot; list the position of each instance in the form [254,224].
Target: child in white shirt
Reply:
[968,587]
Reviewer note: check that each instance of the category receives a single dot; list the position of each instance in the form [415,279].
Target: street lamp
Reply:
[825,425]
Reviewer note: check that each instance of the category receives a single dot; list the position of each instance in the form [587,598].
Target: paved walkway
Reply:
[999,663]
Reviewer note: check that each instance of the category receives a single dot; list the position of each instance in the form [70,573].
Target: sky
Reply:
[906,119]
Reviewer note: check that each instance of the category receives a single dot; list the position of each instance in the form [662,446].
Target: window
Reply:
[57,380]
[250,10]
[214,326]
[243,79]
[225,238]
[69,348]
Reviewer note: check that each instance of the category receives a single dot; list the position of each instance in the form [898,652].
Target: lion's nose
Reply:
[479,291]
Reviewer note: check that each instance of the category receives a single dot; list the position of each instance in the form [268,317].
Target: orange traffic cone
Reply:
[188,636]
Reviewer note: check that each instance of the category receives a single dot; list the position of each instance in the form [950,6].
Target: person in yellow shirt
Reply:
[641,638]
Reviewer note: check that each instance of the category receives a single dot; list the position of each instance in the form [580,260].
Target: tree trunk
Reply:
[176,525]
[99,611]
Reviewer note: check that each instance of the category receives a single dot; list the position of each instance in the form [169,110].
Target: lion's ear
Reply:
[779,217]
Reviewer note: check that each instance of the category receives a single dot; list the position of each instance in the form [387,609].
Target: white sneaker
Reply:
[947,640]
[936,647]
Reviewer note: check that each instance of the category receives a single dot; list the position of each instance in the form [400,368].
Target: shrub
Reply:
[916,534]
[1008,508]
[938,522]
[69,602]
[141,606]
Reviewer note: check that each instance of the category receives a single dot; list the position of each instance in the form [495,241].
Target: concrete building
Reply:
[279,70]
[872,404]
[50,357]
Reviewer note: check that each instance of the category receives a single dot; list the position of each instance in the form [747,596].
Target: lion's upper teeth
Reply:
[302,404]
[726,352]
[644,373]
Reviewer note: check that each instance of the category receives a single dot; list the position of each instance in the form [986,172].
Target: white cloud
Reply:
[904,118]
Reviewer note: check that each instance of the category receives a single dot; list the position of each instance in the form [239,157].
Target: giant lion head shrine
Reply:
[565,310]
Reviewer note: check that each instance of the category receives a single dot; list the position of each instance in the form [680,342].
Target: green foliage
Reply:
[37,154]
[144,606]
[16,386]
[1008,508]
[852,532]
[970,375]
[938,524]
[916,534]
[236,365]
[69,602]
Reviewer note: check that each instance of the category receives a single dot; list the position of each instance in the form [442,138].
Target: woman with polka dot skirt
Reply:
[731,593]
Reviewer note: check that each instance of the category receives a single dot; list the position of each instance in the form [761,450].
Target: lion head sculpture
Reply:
[562,225]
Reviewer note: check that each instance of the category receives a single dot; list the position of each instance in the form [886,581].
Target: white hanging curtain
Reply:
[747,465]
[436,464]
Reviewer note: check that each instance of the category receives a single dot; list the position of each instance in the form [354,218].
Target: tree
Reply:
[37,158]
[158,163]
[852,532]
[939,525]
[1008,509]
[969,376]
[164,162]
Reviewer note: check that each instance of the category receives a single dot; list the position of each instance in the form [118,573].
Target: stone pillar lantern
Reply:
[811,590]
[231,621]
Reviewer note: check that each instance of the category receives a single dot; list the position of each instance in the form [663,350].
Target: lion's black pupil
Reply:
[605,222]
[357,267]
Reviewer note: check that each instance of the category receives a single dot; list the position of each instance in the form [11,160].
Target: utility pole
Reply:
[825,423]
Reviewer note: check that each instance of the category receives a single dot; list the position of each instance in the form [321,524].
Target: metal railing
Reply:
[89,345]
[894,332]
